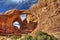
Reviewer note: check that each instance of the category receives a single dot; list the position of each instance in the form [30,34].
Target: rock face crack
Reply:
[54,15]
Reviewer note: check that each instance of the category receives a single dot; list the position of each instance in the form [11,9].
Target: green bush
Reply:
[26,37]
[39,35]
[52,37]
[12,37]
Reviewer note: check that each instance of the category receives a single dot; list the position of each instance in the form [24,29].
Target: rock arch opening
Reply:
[16,23]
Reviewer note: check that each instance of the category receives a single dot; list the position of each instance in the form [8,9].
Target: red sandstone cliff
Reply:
[8,18]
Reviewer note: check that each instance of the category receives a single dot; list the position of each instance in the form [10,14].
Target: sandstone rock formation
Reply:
[7,19]
[47,12]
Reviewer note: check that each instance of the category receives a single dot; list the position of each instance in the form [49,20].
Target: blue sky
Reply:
[16,4]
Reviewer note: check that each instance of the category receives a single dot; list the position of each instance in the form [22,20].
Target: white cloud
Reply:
[17,1]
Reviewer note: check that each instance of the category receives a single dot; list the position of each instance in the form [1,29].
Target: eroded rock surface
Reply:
[47,12]
[8,18]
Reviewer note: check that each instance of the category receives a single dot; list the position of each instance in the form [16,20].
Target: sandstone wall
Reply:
[8,18]
[48,16]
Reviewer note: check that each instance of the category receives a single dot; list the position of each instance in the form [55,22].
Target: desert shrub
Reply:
[26,37]
[39,35]
[12,37]
[52,37]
